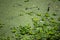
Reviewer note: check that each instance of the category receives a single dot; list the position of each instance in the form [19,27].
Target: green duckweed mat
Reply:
[29,19]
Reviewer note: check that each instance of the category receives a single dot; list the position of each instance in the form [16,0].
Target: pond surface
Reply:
[19,12]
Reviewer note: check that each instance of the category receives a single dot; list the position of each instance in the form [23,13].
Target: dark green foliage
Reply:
[47,15]
[1,26]
[54,14]
[58,0]
[30,13]
[26,1]
[42,30]
[59,19]
[13,30]
[38,14]
[48,9]
[21,14]
[26,8]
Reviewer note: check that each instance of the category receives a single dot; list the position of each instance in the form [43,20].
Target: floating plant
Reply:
[38,14]
[38,8]
[26,8]
[8,38]
[19,4]
[1,26]
[21,14]
[30,13]
[45,29]
[43,19]
[13,30]
[53,21]
[26,1]
[35,19]
[59,19]
[54,14]
[47,15]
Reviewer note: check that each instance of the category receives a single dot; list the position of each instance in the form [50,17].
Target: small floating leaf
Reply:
[1,26]
[54,14]
[8,38]
[43,19]
[59,19]
[19,4]
[26,1]
[30,13]
[38,14]
[50,32]
[26,8]
[52,18]
[41,30]
[38,8]
[13,31]
[21,14]
[17,35]
[46,15]
[35,19]
[53,21]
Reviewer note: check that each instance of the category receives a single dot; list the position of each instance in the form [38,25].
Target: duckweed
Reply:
[38,8]
[53,21]
[30,13]
[46,15]
[41,30]
[35,19]
[21,14]
[38,14]
[52,18]
[1,26]
[59,19]
[8,38]
[38,32]
[26,8]
[54,14]
[13,31]
[19,4]
[43,19]
[26,1]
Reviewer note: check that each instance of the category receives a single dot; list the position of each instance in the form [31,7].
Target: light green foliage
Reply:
[59,19]
[42,30]
[29,20]
[47,15]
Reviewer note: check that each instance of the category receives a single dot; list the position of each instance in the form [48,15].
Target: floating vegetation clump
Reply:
[54,14]
[26,1]
[42,29]
[47,15]
[59,19]
[29,20]
[38,14]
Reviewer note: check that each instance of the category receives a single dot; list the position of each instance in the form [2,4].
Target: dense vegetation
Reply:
[45,26]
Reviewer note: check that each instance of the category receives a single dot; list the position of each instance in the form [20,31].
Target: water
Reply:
[10,11]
